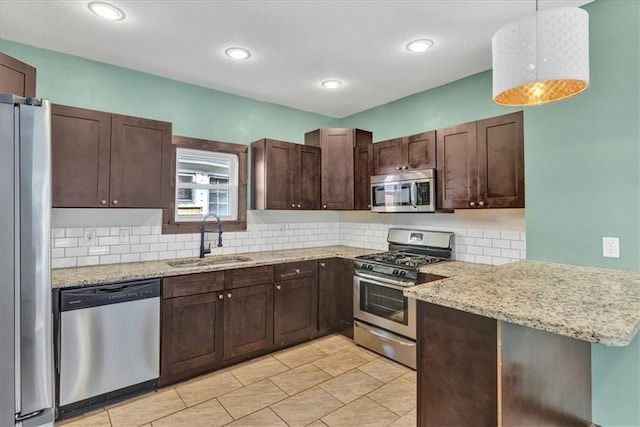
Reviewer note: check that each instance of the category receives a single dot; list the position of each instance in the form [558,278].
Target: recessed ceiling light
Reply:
[237,53]
[331,84]
[106,11]
[420,45]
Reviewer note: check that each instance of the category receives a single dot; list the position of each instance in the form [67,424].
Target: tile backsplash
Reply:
[77,247]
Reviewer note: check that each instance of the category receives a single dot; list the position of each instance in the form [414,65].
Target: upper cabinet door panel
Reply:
[456,175]
[387,156]
[363,169]
[308,177]
[280,174]
[140,163]
[16,77]
[337,168]
[80,141]
[501,161]
[420,151]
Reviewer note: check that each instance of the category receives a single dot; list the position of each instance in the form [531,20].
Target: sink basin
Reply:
[203,262]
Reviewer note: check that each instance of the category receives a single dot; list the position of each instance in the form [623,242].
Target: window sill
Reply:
[194,227]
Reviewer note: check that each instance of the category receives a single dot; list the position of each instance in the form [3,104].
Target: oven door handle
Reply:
[413,195]
[384,281]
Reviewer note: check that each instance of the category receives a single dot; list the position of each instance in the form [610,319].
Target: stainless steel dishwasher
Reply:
[109,344]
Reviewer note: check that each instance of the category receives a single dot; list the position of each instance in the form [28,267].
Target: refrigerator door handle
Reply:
[36,358]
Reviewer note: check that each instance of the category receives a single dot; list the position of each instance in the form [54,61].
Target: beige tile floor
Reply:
[326,382]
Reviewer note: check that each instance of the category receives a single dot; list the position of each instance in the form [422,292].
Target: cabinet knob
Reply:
[472,204]
[481,203]
[297,270]
[299,206]
[322,264]
[103,202]
[324,206]
[398,168]
[220,296]
[405,167]
[115,202]
[368,206]
[293,205]
[278,287]
[228,295]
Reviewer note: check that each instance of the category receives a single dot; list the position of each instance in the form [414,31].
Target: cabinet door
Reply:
[191,336]
[295,317]
[337,168]
[140,163]
[280,174]
[307,183]
[457,167]
[16,77]
[419,151]
[346,298]
[80,151]
[329,294]
[248,320]
[387,156]
[363,169]
[501,161]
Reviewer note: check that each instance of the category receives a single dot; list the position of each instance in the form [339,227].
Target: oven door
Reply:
[380,302]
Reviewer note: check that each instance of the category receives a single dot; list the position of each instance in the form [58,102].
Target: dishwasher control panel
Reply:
[94,296]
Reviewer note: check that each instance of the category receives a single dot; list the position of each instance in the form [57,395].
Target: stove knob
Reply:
[395,272]
[402,273]
[369,267]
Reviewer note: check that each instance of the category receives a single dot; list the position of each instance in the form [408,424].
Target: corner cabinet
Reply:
[109,160]
[481,164]
[346,165]
[414,152]
[284,175]
[16,77]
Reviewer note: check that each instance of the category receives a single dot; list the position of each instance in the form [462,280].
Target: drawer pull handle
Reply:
[220,296]
[297,270]
[278,287]
[228,295]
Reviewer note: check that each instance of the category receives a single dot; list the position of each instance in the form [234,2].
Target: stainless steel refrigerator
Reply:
[26,352]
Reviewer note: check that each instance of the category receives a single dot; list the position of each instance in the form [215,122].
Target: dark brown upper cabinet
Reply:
[108,160]
[16,77]
[284,175]
[414,152]
[481,164]
[346,165]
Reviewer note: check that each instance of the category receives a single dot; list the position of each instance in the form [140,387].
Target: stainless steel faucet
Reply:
[204,251]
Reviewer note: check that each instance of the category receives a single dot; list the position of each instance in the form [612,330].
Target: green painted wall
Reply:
[582,160]
[193,110]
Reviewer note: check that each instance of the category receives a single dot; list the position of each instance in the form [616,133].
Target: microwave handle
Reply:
[413,196]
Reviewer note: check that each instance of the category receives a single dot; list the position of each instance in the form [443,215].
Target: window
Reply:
[206,182]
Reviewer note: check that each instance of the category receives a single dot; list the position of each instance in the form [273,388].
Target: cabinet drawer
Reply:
[296,270]
[251,276]
[192,284]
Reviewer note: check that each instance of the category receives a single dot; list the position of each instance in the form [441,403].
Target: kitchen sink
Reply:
[203,262]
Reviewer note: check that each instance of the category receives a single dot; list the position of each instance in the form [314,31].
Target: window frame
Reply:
[169,223]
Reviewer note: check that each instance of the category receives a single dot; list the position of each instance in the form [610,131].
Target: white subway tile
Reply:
[517,245]
[166,238]
[149,238]
[167,255]
[177,246]
[63,262]
[74,232]
[156,229]
[500,261]
[141,230]
[109,259]
[88,260]
[57,252]
[499,243]
[134,240]
[483,242]
[158,247]
[98,250]
[229,251]
[149,256]
[491,251]
[109,240]
[57,232]
[66,242]
[510,253]
[474,232]
[187,237]
[491,234]
[483,259]
[523,255]
[242,249]
[510,235]
[192,245]
[115,231]
[467,258]
[120,249]
[103,231]
[140,248]
[184,254]
[523,235]
[71,252]
[130,258]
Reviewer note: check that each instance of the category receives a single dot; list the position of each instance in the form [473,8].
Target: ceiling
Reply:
[295,44]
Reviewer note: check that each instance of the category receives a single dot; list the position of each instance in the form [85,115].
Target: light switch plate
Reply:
[124,235]
[89,238]
[610,247]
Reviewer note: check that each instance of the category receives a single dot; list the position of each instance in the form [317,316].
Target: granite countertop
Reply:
[99,274]
[590,304]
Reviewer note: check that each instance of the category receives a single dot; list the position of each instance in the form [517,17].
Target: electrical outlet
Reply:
[89,238]
[610,247]
[124,235]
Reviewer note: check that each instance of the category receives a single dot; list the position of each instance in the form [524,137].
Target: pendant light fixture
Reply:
[542,58]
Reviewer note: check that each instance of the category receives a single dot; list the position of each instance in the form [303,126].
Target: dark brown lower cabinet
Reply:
[329,285]
[477,371]
[248,320]
[345,302]
[191,336]
[295,315]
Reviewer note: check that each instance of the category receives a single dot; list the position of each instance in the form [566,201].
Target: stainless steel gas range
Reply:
[385,320]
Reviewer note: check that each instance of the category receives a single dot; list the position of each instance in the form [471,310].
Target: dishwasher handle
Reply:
[95,296]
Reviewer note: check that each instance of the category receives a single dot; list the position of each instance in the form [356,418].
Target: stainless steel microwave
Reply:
[404,192]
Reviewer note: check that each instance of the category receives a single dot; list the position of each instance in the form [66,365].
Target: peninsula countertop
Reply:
[590,304]
[100,274]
